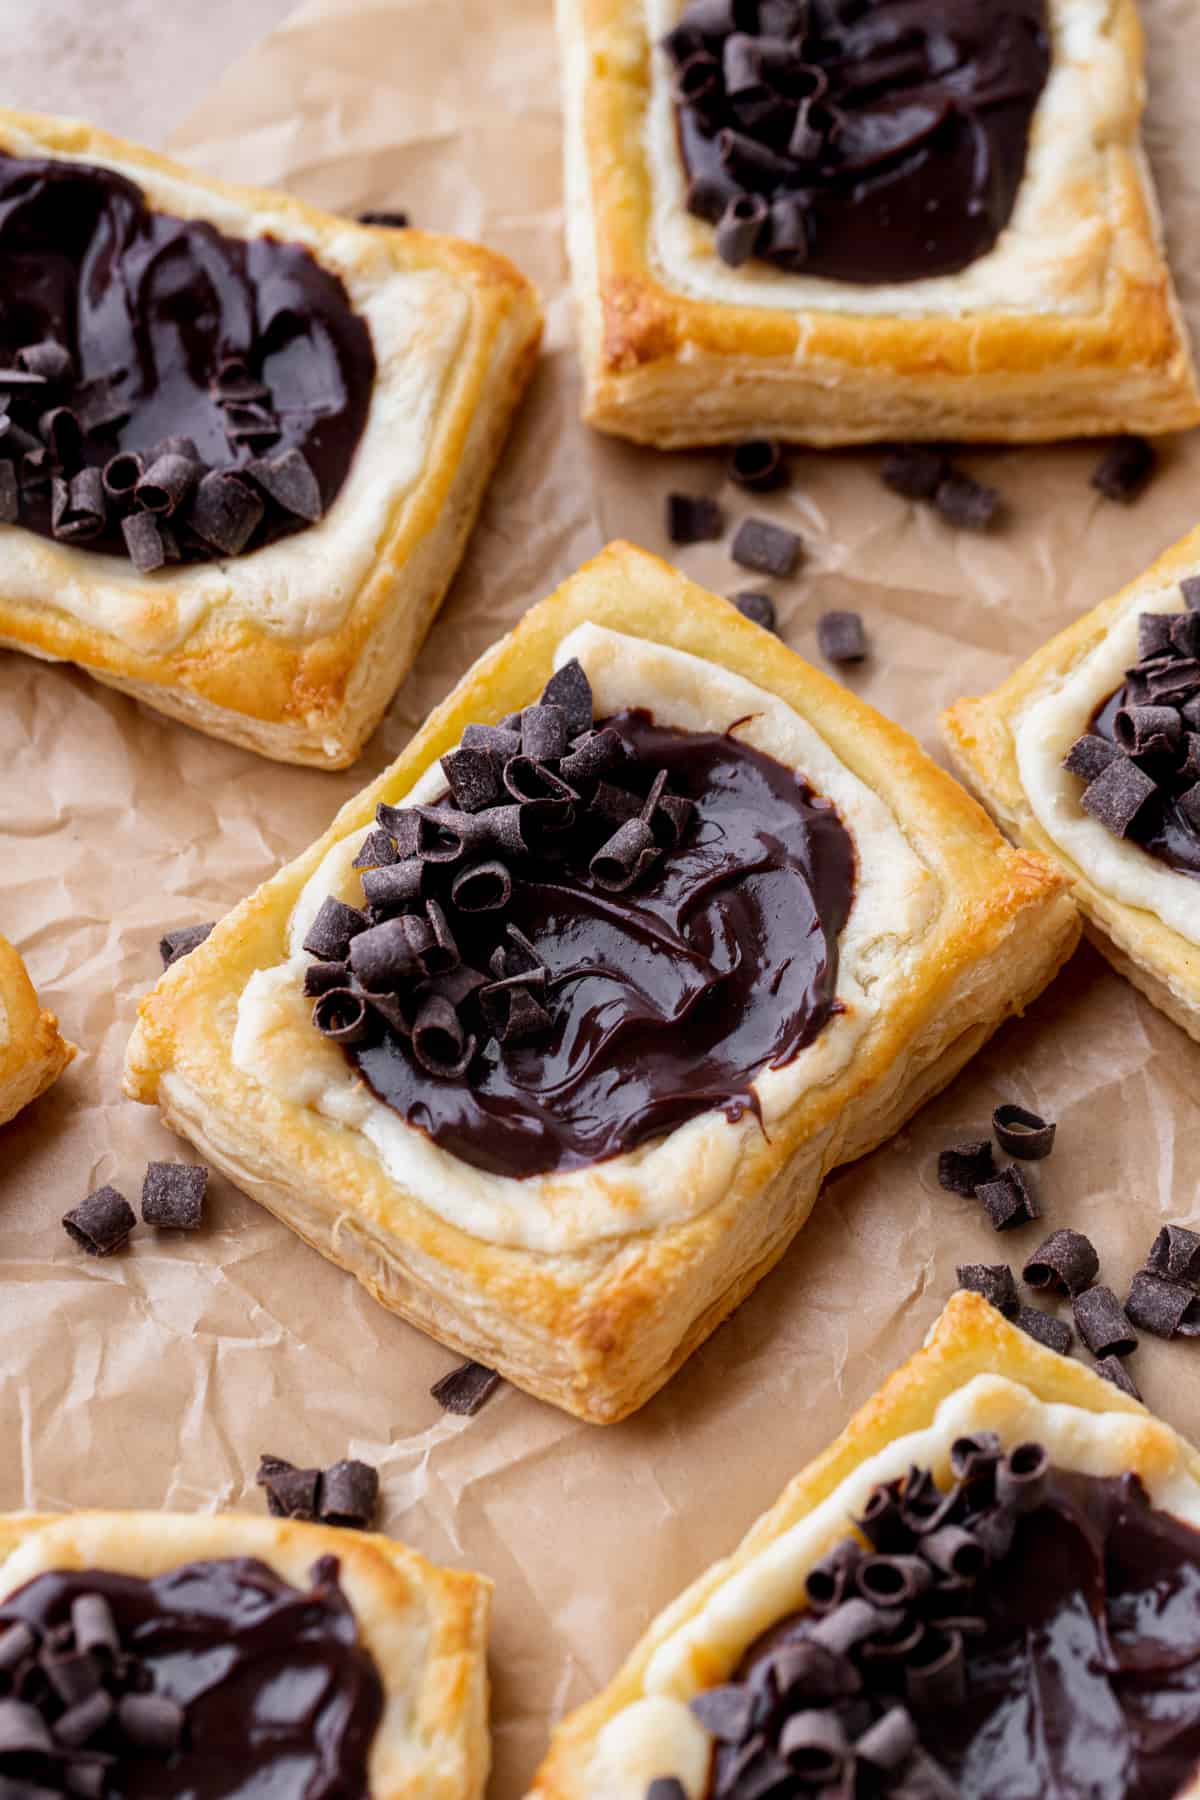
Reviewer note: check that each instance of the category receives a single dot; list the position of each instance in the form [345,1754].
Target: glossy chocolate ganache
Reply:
[168,392]
[215,1681]
[863,142]
[594,965]
[1027,1634]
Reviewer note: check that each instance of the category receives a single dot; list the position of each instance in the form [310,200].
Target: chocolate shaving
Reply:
[102,1223]
[693,518]
[1089,756]
[758,608]
[1009,1198]
[377,852]
[841,638]
[289,481]
[966,503]
[1022,1133]
[1102,1324]
[1175,1255]
[591,756]
[544,734]
[465,1389]
[394,886]
[385,955]
[145,542]
[1021,1478]
[914,470]
[1117,795]
[167,483]
[474,778]
[1164,1308]
[348,1494]
[1124,469]
[225,512]
[482,887]
[767,548]
[1154,633]
[741,223]
[1113,1369]
[342,1014]
[995,1282]
[963,1167]
[512,1010]
[496,738]
[570,690]
[439,1042]
[1067,1263]
[892,1580]
[1055,1333]
[291,1492]
[1147,730]
[625,858]
[332,931]
[173,1196]
[77,507]
[757,464]
[181,942]
[827,1582]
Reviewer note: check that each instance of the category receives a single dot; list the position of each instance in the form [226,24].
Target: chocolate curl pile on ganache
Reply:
[836,1704]
[519,791]
[73,1701]
[168,504]
[1140,762]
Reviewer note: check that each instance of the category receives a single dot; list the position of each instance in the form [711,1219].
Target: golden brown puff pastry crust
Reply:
[33,1052]
[425,1627]
[296,649]
[1077,333]
[986,736]
[597,1323]
[975,1372]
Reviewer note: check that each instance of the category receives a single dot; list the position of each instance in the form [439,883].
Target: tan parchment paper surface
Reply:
[155,1378]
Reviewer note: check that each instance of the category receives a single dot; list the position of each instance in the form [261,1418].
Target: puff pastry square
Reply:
[1143,915]
[590,1286]
[1068,326]
[424,1627]
[295,649]
[33,1052]
[976,1373]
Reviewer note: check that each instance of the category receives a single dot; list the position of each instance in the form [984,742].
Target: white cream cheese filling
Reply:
[1043,732]
[669,1179]
[301,587]
[658,1735]
[1045,260]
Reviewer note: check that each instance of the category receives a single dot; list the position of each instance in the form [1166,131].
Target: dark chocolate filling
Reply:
[172,330]
[666,999]
[1161,829]
[278,1694]
[860,143]
[1028,1645]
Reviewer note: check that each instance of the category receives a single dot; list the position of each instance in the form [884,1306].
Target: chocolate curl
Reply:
[167,483]
[101,1224]
[500,742]
[343,1016]
[826,1583]
[889,1742]
[511,1009]
[1147,730]
[1021,1478]
[544,733]
[614,803]
[60,431]
[936,1675]
[94,1627]
[17,1641]
[120,476]
[1044,1328]
[458,985]
[698,83]
[1164,1308]
[474,778]
[1117,795]
[591,757]
[1102,1323]
[757,463]
[895,1649]
[82,1721]
[625,858]
[151,1723]
[881,1522]
[814,1743]
[382,957]
[482,887]
[974,1455]
[726,1712]
[445,834]
[1067,1263]
[144,542]
[442,954]
[73,1674]
[465,1389]
[22,1730]
[77,507]
[251,422]
[955,1551]
[813,1670]
[291,1492]
[348,1494]
[397,885]
[439,1042]
[290,482]
[50,361]
[527,780]
[851,1622]
[741,226]
[332,929]
[892,1580]
[378,852]
[225,512]
[994,1281]
[964,1167]
[99,402]
[1089,756]
[235,381]
[1175,1255]
[1009,1199]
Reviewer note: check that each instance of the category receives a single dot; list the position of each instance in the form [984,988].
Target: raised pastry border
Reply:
[33,1052]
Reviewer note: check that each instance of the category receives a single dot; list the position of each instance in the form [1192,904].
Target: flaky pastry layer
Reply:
[975,1373]
[1143,916]
[1077,332]
[425,1627]
[296,649]
[600,1327]
[33,1052]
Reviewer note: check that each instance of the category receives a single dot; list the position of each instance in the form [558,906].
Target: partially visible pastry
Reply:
[33,1052]
[244,440]
[1090,754]
[164,1654]
[987,1587]
[798,219]
[554,1035]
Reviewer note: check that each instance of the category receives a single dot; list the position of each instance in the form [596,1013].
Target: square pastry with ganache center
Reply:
[155,1655]
[33,1051]
[840,224]
[553,1036]
[242,441]
[1090,754]
[987,1588]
